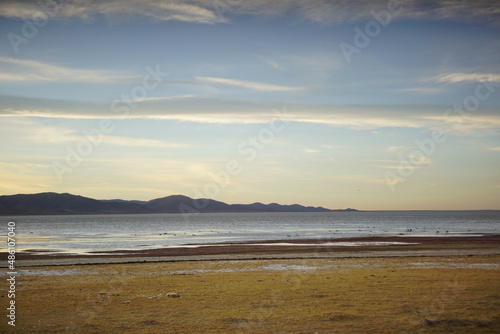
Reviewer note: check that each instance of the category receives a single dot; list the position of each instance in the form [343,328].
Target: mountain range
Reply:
[67,204]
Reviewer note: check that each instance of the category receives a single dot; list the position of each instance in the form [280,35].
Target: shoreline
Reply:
[360,247]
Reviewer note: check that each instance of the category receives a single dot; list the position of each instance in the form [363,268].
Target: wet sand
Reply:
[395,246]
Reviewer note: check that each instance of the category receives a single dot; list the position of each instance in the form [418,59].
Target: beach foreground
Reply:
[458,294]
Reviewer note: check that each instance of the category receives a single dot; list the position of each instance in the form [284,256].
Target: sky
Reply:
[374,105]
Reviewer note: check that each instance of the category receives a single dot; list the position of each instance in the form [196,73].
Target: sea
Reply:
[85,234]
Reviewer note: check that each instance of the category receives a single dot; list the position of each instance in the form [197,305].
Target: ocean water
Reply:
[87,233]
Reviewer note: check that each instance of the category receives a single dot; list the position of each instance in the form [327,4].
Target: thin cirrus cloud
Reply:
[141,142]
[315,63]
[162,98]
[212,12]
[337,12]
[260,86]
[226,111]
[114,10]
[422,90]
[32,131]
[23,70]
[469,77]
[272,63]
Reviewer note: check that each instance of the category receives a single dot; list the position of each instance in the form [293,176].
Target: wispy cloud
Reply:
[208,11]
[226,111]
[334,147]
[162,98]
[140,142]
[25,130]
[117,10]
[260,86]
[466,10]
[408,158]
[22,70]
[359,178]
[418,161]
[23,178]
[337,12]
[423,90]
[395,148]
[271,63]
[496,149]
[482,124]
[469,77]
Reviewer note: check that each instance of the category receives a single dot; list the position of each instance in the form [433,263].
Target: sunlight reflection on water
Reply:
[80,234]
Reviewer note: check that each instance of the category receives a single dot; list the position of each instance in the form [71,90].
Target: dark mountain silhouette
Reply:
[56,204]
[121,201]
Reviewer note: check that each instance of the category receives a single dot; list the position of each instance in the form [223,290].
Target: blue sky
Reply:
[143,99]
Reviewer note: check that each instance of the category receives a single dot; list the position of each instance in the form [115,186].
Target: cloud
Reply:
[140,142]
[358,178]
[423,90]
[162,98]
[22,70]
[164,11]
[115,10]
[417,162]
[334,147]
[260,86]
[211,12]
[23,177]
[22,130]
[25,130]
[485,121]
[467,10]
[483,124]
[313,69]
[496,149]
[271,63]
[468,77]
[395,148]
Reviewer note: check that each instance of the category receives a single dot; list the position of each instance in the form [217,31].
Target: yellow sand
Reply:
[395,295]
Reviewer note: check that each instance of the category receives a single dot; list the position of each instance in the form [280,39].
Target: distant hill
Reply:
[121,201]
[68,204]
[57,204]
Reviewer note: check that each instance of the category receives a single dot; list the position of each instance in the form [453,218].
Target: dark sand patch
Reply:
[316,248]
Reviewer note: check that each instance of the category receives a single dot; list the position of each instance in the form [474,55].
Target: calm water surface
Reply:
[85,233]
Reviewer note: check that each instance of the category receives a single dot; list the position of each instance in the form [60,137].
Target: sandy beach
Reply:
[438,286]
